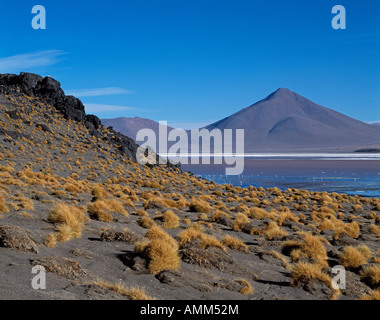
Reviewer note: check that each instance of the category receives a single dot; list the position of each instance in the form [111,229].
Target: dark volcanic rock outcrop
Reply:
[47,89]
[50,92]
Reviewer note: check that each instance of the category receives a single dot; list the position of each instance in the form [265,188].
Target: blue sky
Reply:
[195,62]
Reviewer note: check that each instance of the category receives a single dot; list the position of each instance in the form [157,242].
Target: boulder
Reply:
[16,238]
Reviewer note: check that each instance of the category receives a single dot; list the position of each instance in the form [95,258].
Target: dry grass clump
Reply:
[373,295]
[156,202]
[375,229]
[365,251]
[309,249]
[375,260]
[26,214]
[69,221]
[206,224]
[23,202]
[99,193]
[303,272]
[141,212]
[371,275]
[352,229]
[327,211]
[273,231]
[323,214]
[270,231]
[218,193]
[151,184]
[161,250]
[134,197]
[203,216]
[275,191]
[219,205]
[170,220]
[197,226]
[247,287]
[239,222]
[27,175]
[206,197]
[146,222]
[199,206]
[326,224]
[181,203]
[157,233]
[128,203]
[194,235]
[255,201]
[241,208]
[116,206]
[219,216]
[50,241]
[259,213]
[324,199]
[146,195]
[285,216]
[98,210]
[3,207]
[26,203]
[326,219]
[352,258]
[71,188]
[357,208]
[301,207]
[186,221]
[234,243]
[133,293]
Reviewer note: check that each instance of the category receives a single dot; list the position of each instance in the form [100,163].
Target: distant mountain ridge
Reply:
[130,126]
[284,122]
[287,121]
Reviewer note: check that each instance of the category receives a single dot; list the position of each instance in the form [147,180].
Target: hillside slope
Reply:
[105,227]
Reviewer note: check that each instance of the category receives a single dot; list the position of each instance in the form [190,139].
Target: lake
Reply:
[353,174]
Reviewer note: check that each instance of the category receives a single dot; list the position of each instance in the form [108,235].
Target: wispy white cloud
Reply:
[28,61]
[374,122]
[109,91]
[95,108]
